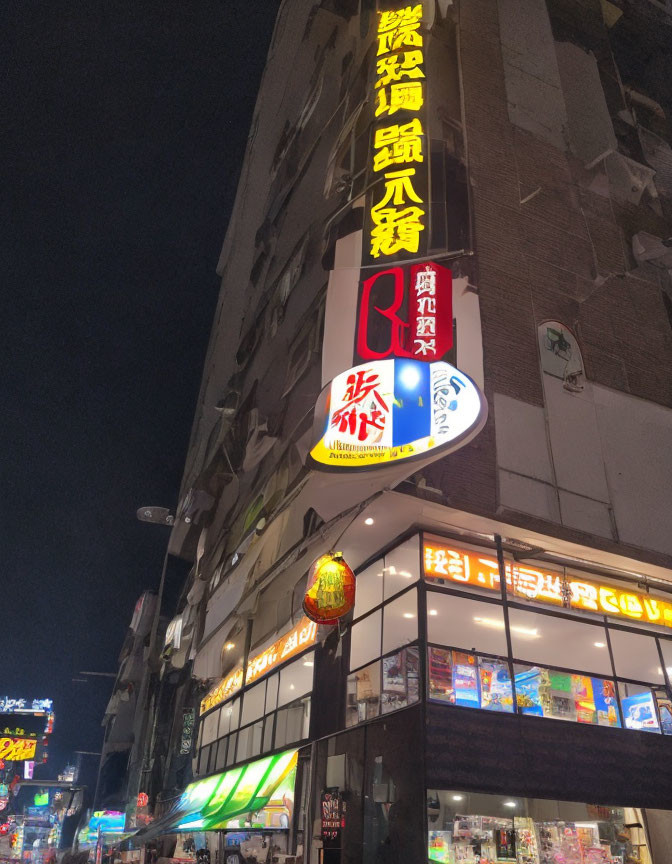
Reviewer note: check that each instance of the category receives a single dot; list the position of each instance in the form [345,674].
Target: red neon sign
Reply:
[427,334]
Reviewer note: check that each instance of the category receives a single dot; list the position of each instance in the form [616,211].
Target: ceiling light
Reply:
[291,686]
[308,663]
[509,803]
[230,646]
[600,644]
[368,521]
[457,797]
[433,612]
[490,622]
[533,633]
[409,615]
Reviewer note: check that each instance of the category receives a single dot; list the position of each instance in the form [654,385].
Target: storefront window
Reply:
[476,828]
[558,641]
[296,679]
[636,656]
[400,684]
[469,624]
[550,693]
[363,695]
[400,621]
[365,640]
[639,707]
[458,678]
[402,567]
[369,589]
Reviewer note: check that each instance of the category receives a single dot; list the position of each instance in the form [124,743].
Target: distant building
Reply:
[455,217]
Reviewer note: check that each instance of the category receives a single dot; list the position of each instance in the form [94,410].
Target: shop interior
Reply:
[474,828]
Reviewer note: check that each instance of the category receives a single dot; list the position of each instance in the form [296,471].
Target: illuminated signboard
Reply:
[299,637]
[25,706]
[392,410]
[330,590]
[427,334]
[397,210]
[444,563]
[17,749]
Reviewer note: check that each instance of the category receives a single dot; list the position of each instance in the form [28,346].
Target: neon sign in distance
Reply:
[443,563]
[389,411]
[17,749]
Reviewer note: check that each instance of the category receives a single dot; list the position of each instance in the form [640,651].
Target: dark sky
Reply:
[121,150]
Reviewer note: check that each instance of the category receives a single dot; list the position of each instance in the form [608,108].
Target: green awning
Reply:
[211,803]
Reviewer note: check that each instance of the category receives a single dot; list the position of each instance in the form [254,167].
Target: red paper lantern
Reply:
[331,589]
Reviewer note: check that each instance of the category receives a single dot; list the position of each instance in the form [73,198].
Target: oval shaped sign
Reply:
[393,410]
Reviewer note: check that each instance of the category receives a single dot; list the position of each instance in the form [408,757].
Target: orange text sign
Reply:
[17,749]
[299,637]
[446,563]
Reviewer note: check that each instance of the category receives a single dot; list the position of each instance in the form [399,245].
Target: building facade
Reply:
[442,348]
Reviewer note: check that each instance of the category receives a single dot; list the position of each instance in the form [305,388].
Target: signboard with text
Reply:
[443,562]
[388,411]
[17,749]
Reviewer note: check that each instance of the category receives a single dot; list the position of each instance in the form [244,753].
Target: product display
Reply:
[465,679]
[606,835]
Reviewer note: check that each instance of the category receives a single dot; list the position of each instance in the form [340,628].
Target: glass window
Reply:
[221,755]
[558,642]
[253,703]
[365,640]
[268,733]
[272,693]
[234,720]
[256,734]
[224,720]
[666,648]
[292,724]
[244,740]
[363,695]
[210,727]
[664,710]
[469,624]
[639,707]
[465,826]
[231,752]
[400,621]
[400,681]
[636,656]
[296,679]
[369,588]
[402,567]
[566,696]
[203,760]
[458,678]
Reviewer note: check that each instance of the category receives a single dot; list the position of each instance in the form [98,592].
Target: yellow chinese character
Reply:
[397,29]
[398,144]
[406,96]
[394,19]
[396,230]
[399,188]
[398,66]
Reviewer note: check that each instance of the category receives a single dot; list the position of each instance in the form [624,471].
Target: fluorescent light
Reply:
[533,633]
[433,612]
[405,574]
[490,622]
[510,804]
[457,797]
[308,663]
[368,521]
[409,615]
[230,646]
[592,825]
[600,644]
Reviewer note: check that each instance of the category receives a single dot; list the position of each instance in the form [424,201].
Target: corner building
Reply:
[493,460]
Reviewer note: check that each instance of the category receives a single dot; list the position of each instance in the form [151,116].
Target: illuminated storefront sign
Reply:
[427,334]
[300,637]
[17,749]
[444,563]
[397,210]
[391,410]
[213,802]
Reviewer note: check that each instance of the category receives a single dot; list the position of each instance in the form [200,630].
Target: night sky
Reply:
[121,152]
